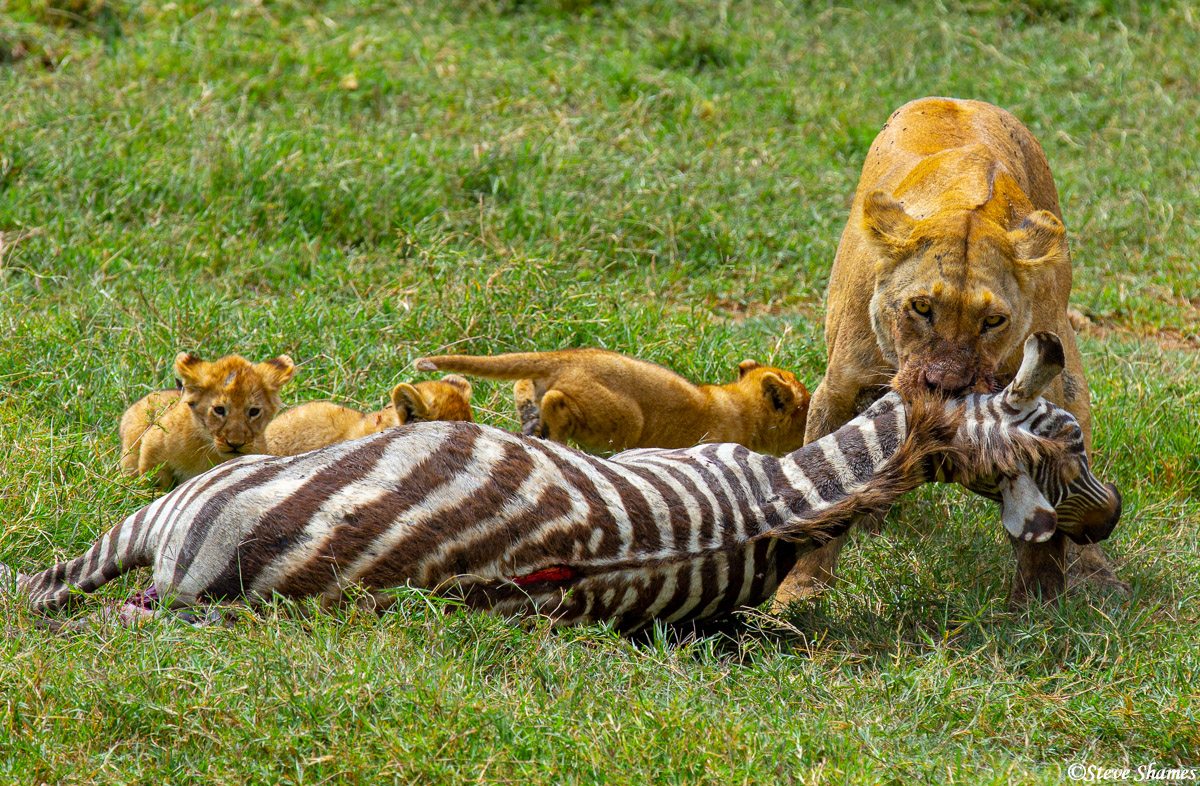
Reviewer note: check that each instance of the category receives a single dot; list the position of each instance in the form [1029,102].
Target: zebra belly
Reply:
[632,595]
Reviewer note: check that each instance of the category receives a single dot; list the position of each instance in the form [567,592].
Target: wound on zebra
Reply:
[604,401]
[518,525]
[318,424]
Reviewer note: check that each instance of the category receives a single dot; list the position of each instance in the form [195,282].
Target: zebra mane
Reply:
[931,427]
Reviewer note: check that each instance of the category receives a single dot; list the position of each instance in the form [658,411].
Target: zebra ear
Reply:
[1042,362]
[409,403]
[1025,511]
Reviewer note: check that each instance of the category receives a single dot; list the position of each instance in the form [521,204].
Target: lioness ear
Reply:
[276,372]
[886,223]
[778,392]
[189,369]
[1039,242]
[746,366]
[454,380]
[409,403]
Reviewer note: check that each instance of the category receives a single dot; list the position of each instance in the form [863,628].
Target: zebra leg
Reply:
[56,587]
[117,551]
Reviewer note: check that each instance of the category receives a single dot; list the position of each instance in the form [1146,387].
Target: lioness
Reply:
[954,252]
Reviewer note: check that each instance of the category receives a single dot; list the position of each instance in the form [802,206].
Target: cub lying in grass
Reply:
[321,423]
[220,413]
[606,401]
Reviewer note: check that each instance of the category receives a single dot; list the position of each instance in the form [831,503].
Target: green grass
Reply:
[664,179]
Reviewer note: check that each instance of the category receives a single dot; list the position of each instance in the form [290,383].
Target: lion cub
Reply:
[320,423]
[220,413]
[606,401]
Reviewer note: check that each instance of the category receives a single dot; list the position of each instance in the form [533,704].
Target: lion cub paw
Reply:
[528,412]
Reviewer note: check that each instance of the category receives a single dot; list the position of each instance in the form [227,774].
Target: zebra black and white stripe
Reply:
[519,525]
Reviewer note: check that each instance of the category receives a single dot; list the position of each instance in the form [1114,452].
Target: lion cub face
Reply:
[783,399]
[954,293]
[448,398]
[232,398]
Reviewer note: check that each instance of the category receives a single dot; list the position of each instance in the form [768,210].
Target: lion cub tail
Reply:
[514,365]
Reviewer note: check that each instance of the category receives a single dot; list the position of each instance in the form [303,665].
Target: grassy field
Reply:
[359,183]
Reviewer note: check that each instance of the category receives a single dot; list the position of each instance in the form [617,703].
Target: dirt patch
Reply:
[1103,327]
[741,310]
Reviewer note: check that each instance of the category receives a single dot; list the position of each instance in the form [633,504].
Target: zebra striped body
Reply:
[519,525]
[481,512]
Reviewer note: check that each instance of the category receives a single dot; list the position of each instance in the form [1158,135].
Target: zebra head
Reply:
[1037,465]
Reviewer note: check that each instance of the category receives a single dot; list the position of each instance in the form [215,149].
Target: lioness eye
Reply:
[921,307]
[995,320]
[253,412]
[219,411]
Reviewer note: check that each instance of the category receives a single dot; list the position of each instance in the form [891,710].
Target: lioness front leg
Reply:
[1041,570]
[831,408]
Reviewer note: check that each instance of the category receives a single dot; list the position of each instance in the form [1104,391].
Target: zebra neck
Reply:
[836,464]
[820,478]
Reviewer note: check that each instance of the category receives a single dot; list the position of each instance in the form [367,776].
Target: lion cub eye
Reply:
[253,412]
[219,411]
[922,307]
[994,321]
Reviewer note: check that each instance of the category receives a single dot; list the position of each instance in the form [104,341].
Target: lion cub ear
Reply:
[190,370]
[777,391]
[409,403]
[454,380]
[887,225]
[276,372]
[746,366]
[1040,241]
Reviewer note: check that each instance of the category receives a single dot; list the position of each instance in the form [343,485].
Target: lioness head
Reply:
[448,398]
[232,398]
[954,292]
[784,400]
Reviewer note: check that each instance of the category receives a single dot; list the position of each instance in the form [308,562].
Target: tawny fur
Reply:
[956,212]
[953,253]
[604,401]
[219,413]
[320,423]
